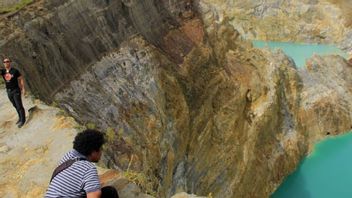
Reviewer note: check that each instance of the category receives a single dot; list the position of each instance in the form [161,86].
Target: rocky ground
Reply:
[28,155]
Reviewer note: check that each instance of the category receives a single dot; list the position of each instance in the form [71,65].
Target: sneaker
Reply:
[20,124]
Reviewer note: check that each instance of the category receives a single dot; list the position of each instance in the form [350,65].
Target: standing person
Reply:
[77,176]
[14,87]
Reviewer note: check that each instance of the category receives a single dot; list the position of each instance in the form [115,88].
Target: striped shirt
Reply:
[75,181]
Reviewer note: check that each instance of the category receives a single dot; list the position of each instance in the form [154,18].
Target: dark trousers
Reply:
[109,192]
[15,98]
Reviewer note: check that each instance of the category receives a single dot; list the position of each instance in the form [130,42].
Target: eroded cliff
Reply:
[308,21]
[55,41]
[182,97]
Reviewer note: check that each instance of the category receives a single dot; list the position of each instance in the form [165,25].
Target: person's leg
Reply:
[19,107]
[11,96]
[109,192]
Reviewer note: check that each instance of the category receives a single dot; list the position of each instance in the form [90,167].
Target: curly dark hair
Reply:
[88,141]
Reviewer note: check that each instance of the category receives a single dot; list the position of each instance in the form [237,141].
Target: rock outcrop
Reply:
[182,97]
[325,106]
[309,21]
[55,41]
[229,108]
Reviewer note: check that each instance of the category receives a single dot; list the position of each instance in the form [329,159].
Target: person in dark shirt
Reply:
[14,87]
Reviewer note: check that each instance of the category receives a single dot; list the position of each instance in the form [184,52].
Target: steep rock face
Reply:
[326,97]
[196,111]
[244,126]
[309,21]
[224,109]
[247,115]
[133,93]
[55,41]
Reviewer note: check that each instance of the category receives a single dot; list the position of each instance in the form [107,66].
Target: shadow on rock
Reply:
[32,112]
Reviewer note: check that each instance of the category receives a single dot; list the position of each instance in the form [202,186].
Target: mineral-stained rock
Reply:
[240,112]
[325,106]
[133,94]
[58,42]
[228,108]
[185,101]
[311,21]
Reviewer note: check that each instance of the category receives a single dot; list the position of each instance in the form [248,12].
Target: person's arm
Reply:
[92,183]
[96,194]
[21,84]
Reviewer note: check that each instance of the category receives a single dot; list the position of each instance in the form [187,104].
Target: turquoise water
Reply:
[326,173]
[301,52]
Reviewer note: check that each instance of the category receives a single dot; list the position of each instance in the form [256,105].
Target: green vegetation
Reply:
[62,112]
[15,7]
[54,104]
[113,135]
[84,126]
[110,134]
[91,125]
[79,128]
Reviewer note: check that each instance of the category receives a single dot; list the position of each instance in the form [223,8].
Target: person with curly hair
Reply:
[76,175]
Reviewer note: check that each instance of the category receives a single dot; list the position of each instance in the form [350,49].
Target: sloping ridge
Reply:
[28,155]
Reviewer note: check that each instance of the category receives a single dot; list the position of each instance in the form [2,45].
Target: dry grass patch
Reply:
[15,7]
